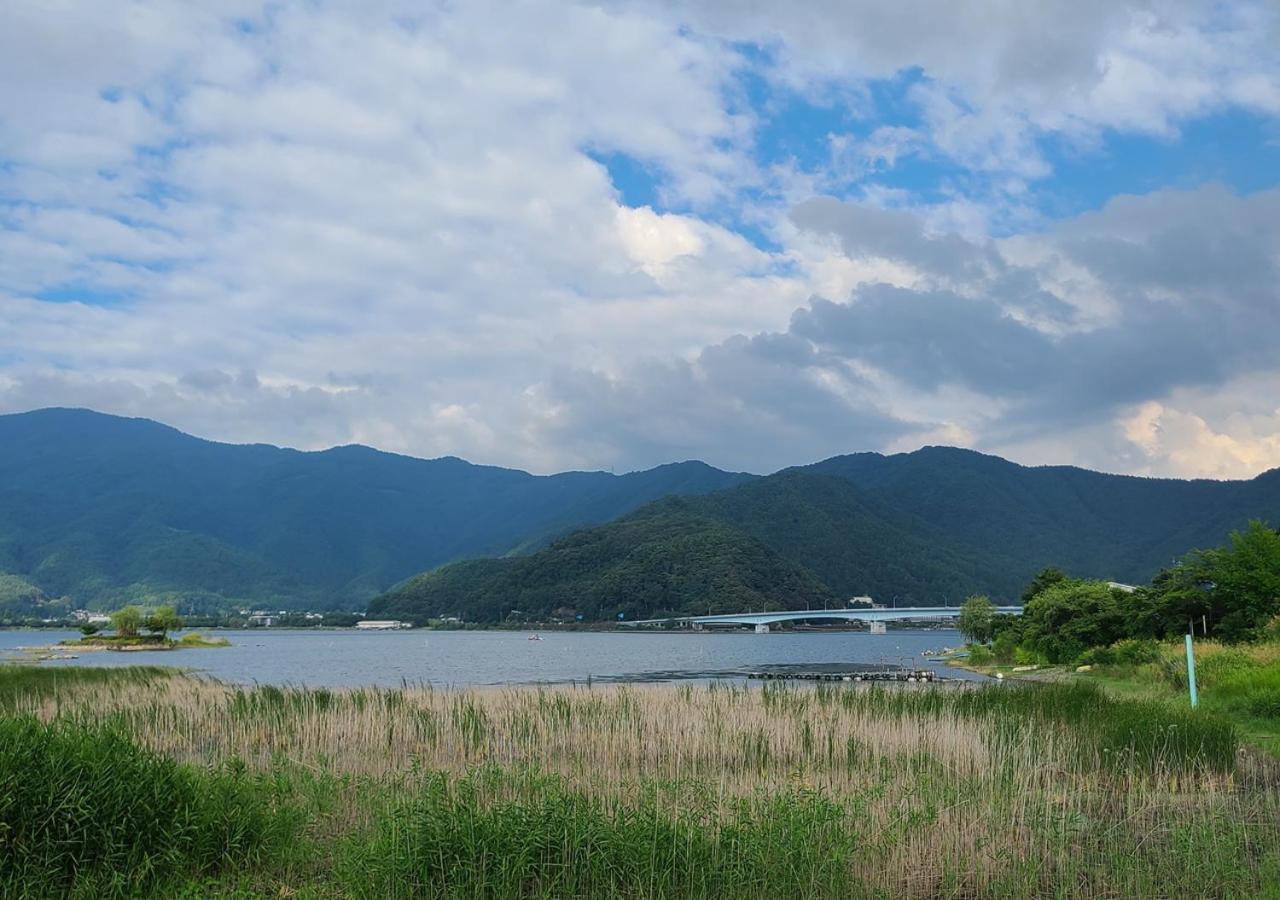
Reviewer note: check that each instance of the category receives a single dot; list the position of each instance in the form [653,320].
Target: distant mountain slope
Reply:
[1088,523]
[853,542]
[925,528]
[107,509]
[662,562]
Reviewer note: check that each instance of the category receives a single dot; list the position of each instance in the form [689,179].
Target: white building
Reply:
[381,624]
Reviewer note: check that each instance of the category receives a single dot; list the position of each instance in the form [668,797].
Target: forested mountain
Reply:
[792,541]
[664,561]
[107,509]
[925,528]
[104,510]
[1096,525]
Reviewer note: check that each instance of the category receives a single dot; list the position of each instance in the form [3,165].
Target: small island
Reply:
[129,623]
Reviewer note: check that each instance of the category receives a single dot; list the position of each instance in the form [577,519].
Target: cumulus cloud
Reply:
[319,223]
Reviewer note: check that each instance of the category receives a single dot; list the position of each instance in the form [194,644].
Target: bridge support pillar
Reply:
[762,629]
[879,628]
[697,626]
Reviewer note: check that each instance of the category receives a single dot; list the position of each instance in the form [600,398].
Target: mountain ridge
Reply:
[108,509]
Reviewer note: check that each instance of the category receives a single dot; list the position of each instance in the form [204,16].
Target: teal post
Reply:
[1191,672]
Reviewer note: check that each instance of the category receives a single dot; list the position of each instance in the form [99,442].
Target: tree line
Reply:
[1231,593]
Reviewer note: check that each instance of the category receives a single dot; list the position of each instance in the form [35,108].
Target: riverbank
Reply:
[681,791]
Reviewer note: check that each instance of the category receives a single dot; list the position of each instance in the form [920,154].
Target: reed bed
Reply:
[719,790]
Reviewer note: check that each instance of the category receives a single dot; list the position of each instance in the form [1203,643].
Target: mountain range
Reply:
[106,510]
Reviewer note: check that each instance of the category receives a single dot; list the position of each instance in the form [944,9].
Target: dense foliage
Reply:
[1230,592]
[99,511]
[1116,527]
[854,544]
[640,567]
[110,511]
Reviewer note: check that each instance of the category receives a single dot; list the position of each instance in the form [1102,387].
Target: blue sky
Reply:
[613,234]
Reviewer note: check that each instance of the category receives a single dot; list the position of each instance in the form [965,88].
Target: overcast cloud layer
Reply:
[611,235]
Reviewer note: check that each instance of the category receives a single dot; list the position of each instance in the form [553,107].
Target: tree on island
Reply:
[127,621]
[162,621]
[89,629]
[977,616]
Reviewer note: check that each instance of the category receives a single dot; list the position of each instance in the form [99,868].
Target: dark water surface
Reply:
[348,658]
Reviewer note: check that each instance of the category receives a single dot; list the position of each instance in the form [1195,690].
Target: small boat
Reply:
[534,637]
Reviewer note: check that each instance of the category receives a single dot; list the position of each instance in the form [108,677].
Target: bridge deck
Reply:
[847,615]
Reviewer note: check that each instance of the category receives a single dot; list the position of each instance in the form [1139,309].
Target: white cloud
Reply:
[318,223]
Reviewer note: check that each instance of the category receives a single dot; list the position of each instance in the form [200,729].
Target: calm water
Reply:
[348,658]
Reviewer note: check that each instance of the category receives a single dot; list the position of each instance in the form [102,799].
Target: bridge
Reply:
[762,620]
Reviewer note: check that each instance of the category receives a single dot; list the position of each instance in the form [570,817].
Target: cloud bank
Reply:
[613,234]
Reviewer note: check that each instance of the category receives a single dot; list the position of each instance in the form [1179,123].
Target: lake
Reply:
[347,658]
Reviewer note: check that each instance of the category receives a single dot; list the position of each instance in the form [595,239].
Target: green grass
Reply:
[85,811]
[1240,684]
[464,838]
[1015,790]
[21,684]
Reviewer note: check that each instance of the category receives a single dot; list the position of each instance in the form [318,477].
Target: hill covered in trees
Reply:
[109,510]
[926,535]
[1116,527]
[664,561]
[791,541]
[105,511]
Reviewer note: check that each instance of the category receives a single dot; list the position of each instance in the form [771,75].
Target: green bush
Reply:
[1005,646]
[1025,656]
[1097,656]
[1135,651]
[979,655]
[86,808]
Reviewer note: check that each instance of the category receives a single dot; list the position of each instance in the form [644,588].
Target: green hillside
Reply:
[790,541]
[852,542]
[102,510]
[924,529]
[107,510]
[659,563]
[1114,527]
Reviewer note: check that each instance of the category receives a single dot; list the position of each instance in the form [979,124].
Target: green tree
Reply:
[127,621]
[163,620]
[1235,589]
[1047,578]
[89,629]
[1070,616]
[977,616]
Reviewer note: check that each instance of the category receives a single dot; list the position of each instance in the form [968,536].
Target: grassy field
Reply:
[1239,682]
[137,781]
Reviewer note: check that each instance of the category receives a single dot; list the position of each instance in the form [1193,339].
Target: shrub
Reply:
[1025,656]
[1135,651]
[1097,656]
[1005,646]
[979,655]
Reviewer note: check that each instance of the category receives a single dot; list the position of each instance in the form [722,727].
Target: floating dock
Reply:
[824,673]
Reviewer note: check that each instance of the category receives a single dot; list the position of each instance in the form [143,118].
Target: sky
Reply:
[609,235]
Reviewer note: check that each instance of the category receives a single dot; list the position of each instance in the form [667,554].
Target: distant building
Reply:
[91,618]
[1117,586]
[381,624]
[262,620]
[864,602]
